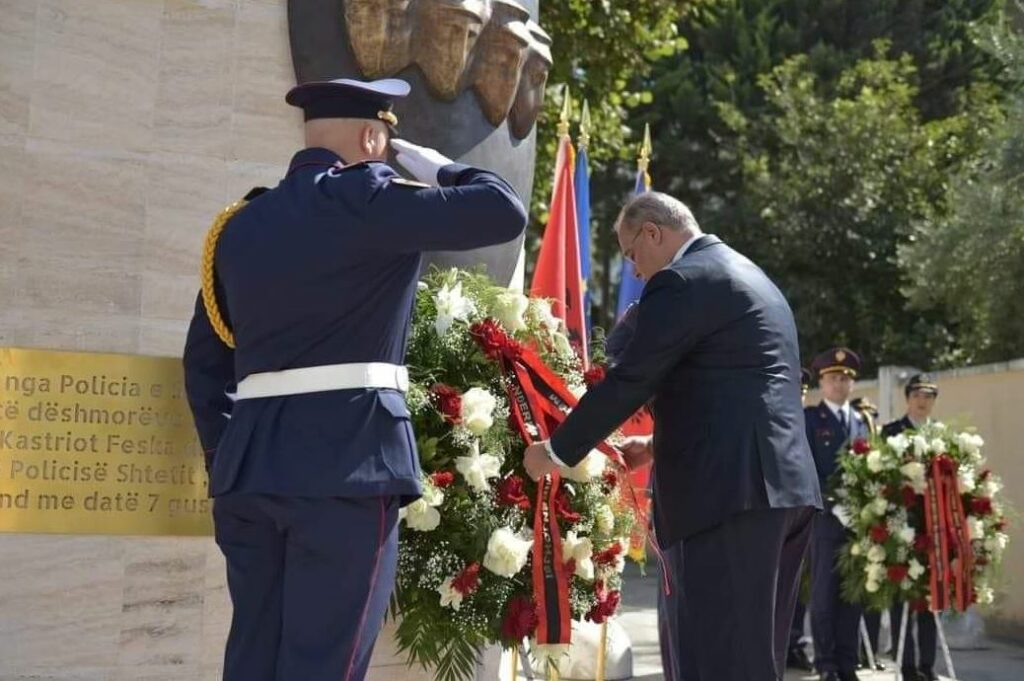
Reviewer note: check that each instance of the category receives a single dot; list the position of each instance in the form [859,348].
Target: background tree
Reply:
[973,263]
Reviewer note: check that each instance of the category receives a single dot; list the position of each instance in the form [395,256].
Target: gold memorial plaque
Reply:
[98,444]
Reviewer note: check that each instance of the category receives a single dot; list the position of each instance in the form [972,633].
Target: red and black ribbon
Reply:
[950,557]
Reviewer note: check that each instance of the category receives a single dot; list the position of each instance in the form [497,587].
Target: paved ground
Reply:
[997,661]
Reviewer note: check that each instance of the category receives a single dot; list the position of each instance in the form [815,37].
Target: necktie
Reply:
[842,421]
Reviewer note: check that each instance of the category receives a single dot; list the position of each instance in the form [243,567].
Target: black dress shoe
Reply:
[796,658]
[911,674]
[848,676]
[927,675]
[828,676]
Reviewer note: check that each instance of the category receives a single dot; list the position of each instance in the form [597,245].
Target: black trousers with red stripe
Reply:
[310,580]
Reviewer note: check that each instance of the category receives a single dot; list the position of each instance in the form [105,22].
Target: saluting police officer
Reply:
[921,392]
[831,426]
[304,317]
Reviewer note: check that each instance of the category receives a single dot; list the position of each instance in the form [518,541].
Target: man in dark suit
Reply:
[831,426]
[308,297]
[715,346]
[921,392]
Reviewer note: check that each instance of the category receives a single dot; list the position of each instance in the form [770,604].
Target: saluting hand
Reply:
[423,162]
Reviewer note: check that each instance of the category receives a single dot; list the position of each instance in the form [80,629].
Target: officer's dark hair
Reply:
[660,209]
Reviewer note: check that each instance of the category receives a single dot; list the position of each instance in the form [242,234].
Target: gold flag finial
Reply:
[563,120]
[585,126]
[646,148]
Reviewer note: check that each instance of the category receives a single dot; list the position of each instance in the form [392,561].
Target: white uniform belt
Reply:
[324,378]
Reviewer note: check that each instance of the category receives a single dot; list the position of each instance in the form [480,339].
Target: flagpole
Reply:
[563,119]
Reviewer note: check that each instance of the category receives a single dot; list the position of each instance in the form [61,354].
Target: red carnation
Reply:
[467,581]
[442,479]
[448,401]
[594,375]
[897,573]
[493,340]
[609,555]
[511,493]
[981,506]
[861,446]
[563,509]
[606,606]
[919,605]
[921,543]
[610,477]
[520,619]
[909,496]
[879,533]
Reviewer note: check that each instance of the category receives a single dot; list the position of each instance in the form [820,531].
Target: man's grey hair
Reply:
[661,209]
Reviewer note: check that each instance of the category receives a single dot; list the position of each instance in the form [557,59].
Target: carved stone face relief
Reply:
[500,59]
[491,46]
[530,96]
[446,33]
[380,32]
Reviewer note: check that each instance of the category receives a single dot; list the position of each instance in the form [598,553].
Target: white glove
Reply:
[423,162]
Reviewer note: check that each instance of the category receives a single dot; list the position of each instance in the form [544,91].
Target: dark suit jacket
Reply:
[894,428]
[716,347]
[323,269]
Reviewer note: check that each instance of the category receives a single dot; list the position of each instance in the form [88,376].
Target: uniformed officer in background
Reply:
[921,392]
[831,426]
[304,317]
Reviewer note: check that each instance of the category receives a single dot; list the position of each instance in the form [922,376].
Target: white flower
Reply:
[541,311]
[843,514]
[581,550]
[478,468]
[871,586]
[510,310]
[449,596]
[478,406]
[874,571]
[976,527]
[915,473]
[879,505]
[898,443]
[916,569]
[604,519]
[562,345]
[422,286]
[577,390]
[421,516]
[970,442]
[867,513]
[906,584]
[996,544]
[986,595]
[906,534]
[938,446]
[433,496]
[591,467]
[967,478]
[855,549]
[849,479]
[939,426]
[874,459]
[876,554]
[991,486]
[620,558]
[506,552]
[451,305]
[920,445]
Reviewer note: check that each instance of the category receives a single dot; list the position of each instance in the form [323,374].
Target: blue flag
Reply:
[630,287]
[582,182]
